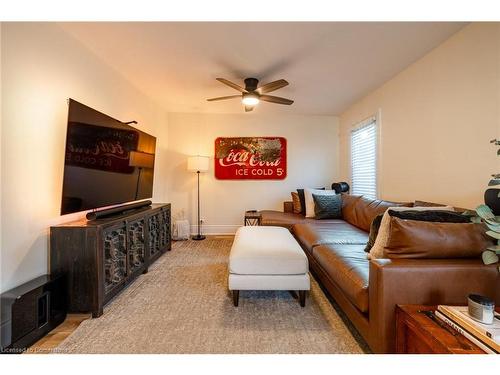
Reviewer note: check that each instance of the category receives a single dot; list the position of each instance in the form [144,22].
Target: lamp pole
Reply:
[199,237]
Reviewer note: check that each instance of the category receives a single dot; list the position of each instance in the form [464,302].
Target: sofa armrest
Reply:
[422,282]
[288,207]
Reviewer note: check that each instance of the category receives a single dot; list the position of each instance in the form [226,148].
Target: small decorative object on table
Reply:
[252,218]
[481,308]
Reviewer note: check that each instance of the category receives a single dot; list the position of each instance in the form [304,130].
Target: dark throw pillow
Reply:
[302,200]
[327,206]
[431,216]
[374,228]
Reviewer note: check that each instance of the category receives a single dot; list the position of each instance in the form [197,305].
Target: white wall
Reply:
[312,143]
[437,117]
[41,67]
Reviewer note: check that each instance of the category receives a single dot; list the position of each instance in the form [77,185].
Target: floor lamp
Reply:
[198,164]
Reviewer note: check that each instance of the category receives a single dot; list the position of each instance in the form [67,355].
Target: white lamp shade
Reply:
[198,163]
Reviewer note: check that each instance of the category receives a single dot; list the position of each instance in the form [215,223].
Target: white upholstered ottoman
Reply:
[267,258]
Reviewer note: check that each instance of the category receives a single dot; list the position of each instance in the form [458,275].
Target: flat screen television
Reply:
[107,162]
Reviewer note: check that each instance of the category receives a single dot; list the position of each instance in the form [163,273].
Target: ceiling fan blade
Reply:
[275,99]
[231,84]
[272,86]
[224,98]
[249,108]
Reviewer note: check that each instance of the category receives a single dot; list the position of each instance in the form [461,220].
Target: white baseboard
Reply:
[216,229]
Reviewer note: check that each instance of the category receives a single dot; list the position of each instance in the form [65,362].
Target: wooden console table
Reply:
[101,257]
[419,332]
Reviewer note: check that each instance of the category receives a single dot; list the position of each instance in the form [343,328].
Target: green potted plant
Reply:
[489,217]
[486,216]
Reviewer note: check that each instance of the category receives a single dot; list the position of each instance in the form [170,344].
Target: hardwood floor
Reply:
[58,334]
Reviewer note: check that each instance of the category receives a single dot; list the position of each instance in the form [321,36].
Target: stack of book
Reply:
[485,336]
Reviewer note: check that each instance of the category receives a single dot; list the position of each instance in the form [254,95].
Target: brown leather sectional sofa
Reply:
[369,290]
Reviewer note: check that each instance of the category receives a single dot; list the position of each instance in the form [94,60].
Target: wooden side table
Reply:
[252,218]
[418,331]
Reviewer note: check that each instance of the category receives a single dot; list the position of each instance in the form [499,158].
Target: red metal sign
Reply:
[250,158]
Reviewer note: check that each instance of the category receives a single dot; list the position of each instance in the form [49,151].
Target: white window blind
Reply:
[364,159]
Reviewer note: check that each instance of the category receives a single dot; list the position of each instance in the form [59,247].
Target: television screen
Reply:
[106,163]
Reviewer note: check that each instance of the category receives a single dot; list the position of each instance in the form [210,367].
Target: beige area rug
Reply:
[183,306]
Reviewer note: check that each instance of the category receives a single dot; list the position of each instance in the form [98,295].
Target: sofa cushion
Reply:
[302,199]
[377,250]
[421,239]
[431,216]
[374,228]
[328,232]
[287,219]
[309,200]
[297,208]
[346,266]
[431,204]
[360,211]
[280,219]
[327,206]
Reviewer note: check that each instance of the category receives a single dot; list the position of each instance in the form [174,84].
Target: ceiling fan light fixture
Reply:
[250,99]
[252,94]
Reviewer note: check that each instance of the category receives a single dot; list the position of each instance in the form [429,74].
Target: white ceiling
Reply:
[329,65]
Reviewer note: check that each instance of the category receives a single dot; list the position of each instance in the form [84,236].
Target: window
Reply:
[364,158]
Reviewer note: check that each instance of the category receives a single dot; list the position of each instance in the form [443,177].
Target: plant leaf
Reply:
[495,248]
[493,227]
[485,212]
[489,257]
[494,221]
[493,234]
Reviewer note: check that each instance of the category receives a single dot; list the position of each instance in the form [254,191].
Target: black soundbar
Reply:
[94,215]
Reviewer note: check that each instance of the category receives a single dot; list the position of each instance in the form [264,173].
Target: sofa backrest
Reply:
[360,211]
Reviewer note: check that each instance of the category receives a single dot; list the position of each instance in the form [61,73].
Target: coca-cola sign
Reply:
[250,158]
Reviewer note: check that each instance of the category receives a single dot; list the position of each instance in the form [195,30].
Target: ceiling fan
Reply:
[251,94]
